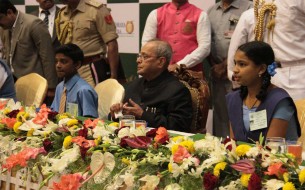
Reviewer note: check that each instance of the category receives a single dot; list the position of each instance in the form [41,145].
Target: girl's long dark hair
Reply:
[260,53]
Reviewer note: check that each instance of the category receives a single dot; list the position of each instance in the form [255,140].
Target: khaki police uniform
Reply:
[90,26]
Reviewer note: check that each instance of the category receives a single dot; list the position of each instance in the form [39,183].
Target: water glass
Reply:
[295,148]
[276,144]
[127,121]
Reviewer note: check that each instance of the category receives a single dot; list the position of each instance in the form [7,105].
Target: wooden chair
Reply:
[300,104]
[31,89]
[109,92]
[200,92]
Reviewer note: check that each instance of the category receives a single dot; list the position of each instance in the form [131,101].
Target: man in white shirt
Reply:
[287,41]
[186,28]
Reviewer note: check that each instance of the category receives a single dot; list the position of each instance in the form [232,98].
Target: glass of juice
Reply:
[295,148]
[127,121]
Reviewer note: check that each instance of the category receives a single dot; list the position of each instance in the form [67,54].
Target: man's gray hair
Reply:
[163,49]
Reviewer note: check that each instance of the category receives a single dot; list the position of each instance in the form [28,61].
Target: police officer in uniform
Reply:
[88,24]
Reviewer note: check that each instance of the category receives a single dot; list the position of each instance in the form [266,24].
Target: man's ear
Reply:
[162,62]
[78,64]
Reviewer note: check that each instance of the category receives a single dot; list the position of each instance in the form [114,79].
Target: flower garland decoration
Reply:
[98,154]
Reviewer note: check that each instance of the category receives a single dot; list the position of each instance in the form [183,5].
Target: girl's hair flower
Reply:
[271,69]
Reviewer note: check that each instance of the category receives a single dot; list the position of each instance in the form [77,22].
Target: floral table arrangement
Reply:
[96,154]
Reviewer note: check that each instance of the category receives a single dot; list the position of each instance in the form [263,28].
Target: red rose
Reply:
[209,181]
[83,132]
[47,145]
[255,182]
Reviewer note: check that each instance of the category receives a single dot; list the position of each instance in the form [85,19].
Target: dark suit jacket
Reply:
[31,48]
[55,41]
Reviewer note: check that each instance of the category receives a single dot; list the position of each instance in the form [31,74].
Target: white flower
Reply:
[234,185]
[47,129]
[124,132]
[101,132]
[138,131]
[28,125]
[63,122]
[177,170]
[66,157]
[128,179]
[173,186]
[152,182]
[273,184]
[103,164]
[12,105]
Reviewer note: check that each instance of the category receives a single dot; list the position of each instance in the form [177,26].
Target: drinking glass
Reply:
[140,123]
[295,148]
[127,121]
[276,144]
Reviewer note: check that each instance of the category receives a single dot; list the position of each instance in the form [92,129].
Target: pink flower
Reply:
[245,166]
[42,116]
[68,182]
[22,157]
[82,142]
[180,154]
[162,135]
[135,142]
[276,169]
[89,123]
[9,122]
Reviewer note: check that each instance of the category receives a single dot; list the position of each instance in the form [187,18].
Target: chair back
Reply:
[200,93]
[31,89]
[300,105]
[109,92]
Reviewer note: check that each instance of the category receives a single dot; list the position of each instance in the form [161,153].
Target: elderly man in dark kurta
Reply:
[157,97]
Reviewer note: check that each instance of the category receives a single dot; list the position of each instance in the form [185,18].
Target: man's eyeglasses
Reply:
[145,57]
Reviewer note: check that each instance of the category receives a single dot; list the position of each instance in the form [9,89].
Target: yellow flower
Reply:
[174,148]
[302,176]
[289,186]
[177,138]
[67,141]
[170,167]
[62,116]
[114,124]
[22,115]
[16,127]
[72,122]
[126,161]
[245,179]
[286,177]
[218,167]
[30,132]
[6,111]
[189,145]
[242,149]
[97,141]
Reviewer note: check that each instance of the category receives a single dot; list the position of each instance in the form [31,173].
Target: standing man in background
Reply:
[47,12]
[223,16]
[186,28]
[27,45]
[89,25]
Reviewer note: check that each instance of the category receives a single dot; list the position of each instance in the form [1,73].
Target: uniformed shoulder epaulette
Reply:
[94,3]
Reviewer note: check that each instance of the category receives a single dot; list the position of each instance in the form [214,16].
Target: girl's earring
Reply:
[259,75]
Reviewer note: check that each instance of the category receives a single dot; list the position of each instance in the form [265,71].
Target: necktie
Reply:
[63,99]
[46,18]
